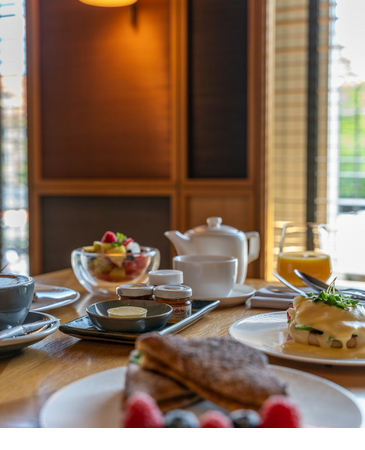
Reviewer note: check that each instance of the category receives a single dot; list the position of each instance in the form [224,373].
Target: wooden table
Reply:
[30,377]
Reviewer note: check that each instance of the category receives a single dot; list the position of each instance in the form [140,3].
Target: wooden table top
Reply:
[29,378]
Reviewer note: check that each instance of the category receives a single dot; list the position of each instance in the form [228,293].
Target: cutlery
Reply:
[319,285]
[27,328]
[294,288]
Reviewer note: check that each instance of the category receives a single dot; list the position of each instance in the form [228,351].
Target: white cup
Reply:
[209,276]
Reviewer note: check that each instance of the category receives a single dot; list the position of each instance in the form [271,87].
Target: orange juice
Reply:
[316,264]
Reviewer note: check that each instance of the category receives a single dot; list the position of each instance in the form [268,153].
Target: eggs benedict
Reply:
[327,320]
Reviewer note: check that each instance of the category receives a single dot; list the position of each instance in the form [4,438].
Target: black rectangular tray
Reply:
[83,328]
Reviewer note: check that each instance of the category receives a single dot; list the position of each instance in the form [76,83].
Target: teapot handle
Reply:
[253,245]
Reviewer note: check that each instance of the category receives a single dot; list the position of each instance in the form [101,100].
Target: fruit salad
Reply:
[142,411]
[119,258]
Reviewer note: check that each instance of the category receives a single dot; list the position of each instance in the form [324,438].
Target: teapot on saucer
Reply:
[217,239]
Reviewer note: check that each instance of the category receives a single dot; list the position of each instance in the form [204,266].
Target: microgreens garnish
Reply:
[135,357]
[331,298]
[121,238]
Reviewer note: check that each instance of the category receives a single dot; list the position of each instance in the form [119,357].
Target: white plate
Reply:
[51,297]
[267,332]
[240,293]
[17,343]
[95,401]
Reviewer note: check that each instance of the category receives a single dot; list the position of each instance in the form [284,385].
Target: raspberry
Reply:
[280,412]
[109,237]
[215,419]
[141,411]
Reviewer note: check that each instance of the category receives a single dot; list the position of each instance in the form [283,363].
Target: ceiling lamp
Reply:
[108,2]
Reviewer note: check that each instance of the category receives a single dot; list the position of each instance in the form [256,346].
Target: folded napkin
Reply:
[274,297]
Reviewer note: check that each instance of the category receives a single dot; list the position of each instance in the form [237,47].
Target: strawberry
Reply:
[141,411]
[215,419]
[127,241]
[279,411]
[131,268]
[109,237]
[287,313]
[140,262]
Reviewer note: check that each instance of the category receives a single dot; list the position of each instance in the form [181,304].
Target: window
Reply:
[319,125]
[13,138]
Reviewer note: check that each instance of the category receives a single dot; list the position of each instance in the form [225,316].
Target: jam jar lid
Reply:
[173,292]
[134,289]
[160,277]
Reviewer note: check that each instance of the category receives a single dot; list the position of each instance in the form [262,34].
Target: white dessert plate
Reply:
[51,297]
[17,343]
[267,332]
[240,294]
[95,401]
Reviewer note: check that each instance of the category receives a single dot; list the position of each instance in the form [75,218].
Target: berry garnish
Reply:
[215,419]
[179,418]
[279,411]
[109,237]
[141,411]
[245,418]
[127,241]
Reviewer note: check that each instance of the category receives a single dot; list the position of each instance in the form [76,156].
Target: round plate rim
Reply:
[277,354]
[14,341]
[251,291]
[57,303]
[120,372]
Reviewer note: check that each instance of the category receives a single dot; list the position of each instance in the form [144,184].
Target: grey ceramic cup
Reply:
[16,295]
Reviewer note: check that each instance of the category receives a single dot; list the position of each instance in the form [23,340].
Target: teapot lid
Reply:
[214,226]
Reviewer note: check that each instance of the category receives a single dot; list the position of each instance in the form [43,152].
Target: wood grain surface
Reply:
[29,378]
[105,91]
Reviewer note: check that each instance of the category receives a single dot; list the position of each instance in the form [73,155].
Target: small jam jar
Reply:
[176,296]
[160,277]
[136,291]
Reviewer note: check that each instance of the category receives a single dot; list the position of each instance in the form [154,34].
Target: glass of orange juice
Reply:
[300,249]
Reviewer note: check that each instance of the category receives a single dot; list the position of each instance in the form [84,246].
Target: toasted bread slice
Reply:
[218,369]
[166,391]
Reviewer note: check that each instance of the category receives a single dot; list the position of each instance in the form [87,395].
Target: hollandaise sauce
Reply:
[328,325]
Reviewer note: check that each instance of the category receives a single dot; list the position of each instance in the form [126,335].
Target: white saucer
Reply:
[17,343]
[240,293]
[51,297]
[95,401]
[267,332]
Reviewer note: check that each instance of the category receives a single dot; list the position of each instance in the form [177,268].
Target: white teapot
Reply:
[217,239]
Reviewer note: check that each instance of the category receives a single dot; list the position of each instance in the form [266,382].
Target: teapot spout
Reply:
[183,244]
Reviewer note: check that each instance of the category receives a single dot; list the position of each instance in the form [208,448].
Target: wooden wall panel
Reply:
[121,117]
[234,210]
[217,90]
[105,90]
[71,222]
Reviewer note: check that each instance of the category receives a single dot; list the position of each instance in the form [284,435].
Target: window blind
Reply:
[295,68]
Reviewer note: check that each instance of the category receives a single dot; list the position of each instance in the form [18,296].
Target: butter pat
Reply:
[127,312]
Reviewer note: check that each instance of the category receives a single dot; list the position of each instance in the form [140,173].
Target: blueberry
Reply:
[130,256]
[179,418]
[245,418]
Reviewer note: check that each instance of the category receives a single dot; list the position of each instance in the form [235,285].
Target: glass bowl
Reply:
[101,273]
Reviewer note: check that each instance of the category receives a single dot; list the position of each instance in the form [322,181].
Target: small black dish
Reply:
[157,316]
